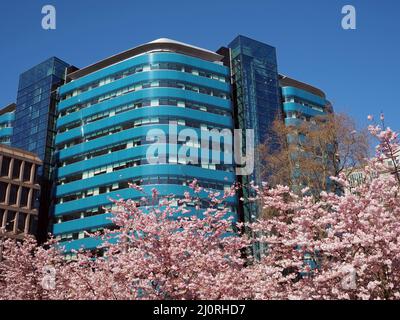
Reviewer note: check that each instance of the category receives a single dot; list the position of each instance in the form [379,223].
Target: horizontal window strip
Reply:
[164,102]
[139,117]
[154,79]
[127,193]
[75,171]
[141,171]
[145,95]
[139,62]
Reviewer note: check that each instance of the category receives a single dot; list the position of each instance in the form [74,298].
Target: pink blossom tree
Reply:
[339,246]
[343,246]
[162,252]
[25,268]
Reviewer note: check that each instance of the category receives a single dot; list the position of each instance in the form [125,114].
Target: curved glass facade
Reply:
[300,105]
[302,102]
[104,117]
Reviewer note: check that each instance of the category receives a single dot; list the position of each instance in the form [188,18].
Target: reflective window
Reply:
[3,191]
[21,221]
[13,195]
[27,171]
[24,197]
[16,168]
[10,220]
[5,166]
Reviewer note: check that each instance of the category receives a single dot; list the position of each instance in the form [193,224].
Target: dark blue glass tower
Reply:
[34,125]
[34,116]
[257,101]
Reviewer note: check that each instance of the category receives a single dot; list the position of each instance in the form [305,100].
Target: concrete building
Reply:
[18,191]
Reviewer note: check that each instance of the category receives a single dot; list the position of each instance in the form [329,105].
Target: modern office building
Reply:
[34,125]
[260,96]
[18,191]
[89,126]
[106,111]
[301,103]
[7,116]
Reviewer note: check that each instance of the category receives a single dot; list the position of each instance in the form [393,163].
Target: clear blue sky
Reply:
[359,69]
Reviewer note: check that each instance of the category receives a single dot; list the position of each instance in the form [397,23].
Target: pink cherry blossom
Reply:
[339,246]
